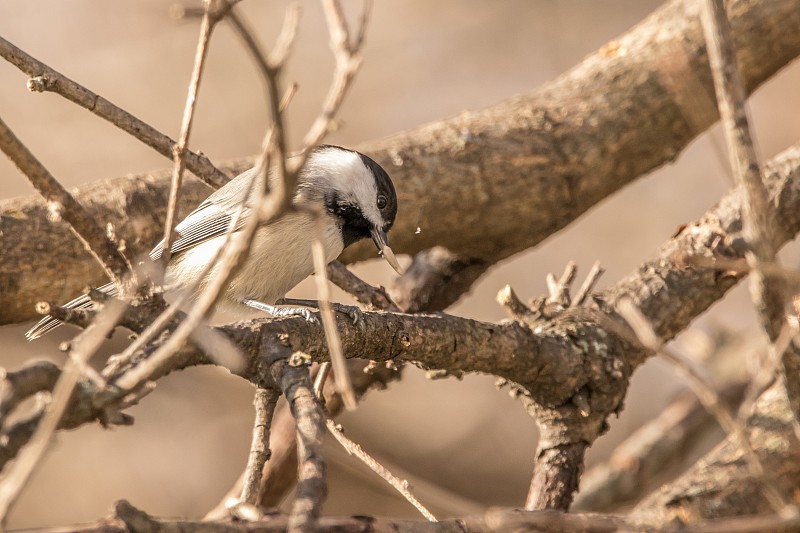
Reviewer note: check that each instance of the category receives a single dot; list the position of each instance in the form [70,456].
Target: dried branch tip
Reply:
[509,301]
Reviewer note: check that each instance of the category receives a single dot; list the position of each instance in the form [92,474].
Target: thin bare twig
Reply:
[552,287]
[285,40]
[559,290]
[285,182]
[364,293]
[707,394]
[44,78]
[588,284]
[400,485]
[214,12]
[768,293]
[264,403]
[341,375]
[62,205]
[323,372]
[81,350]
[348,60]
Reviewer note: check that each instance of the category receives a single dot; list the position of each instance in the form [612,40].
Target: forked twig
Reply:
[707,394]
[82,349]
[347,55]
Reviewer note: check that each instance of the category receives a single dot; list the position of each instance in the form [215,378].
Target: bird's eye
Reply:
[382,202]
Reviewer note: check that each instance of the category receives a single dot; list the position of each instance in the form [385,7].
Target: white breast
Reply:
[279,259]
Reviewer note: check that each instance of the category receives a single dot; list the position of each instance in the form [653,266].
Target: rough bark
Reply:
[720,484]
[529,165]
[555,476]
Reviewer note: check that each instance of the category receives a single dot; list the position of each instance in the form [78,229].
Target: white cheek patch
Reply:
[346,173]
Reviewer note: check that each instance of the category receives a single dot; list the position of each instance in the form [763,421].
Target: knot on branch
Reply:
[597,376]
[40,84]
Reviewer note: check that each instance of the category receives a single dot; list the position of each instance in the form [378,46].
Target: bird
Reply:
[357,200]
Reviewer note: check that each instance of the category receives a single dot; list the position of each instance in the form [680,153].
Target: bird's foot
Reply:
[279,312]
[355,314]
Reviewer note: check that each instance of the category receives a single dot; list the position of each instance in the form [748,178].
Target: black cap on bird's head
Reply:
[360,193]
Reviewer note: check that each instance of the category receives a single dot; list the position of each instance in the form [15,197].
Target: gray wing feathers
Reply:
[205,222]
[212,218]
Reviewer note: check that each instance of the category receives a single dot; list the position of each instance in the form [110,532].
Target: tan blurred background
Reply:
[463,444]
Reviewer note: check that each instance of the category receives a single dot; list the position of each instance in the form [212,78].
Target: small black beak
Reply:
[382,242]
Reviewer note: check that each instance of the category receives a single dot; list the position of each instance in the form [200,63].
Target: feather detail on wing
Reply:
[213,217]
[204,223]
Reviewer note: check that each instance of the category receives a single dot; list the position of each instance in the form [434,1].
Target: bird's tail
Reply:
[81,302]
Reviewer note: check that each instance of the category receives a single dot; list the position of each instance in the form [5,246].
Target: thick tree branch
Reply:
[656,98]
[577,351]
[126,518]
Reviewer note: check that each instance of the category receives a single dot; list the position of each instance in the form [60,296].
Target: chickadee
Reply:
[355,194]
